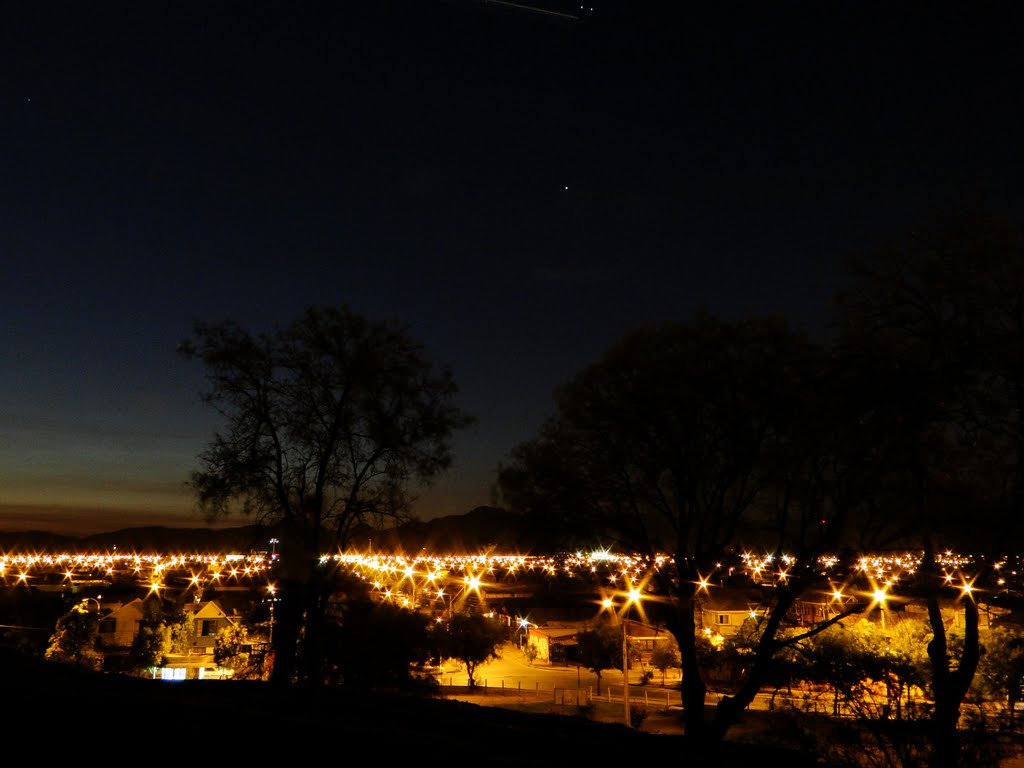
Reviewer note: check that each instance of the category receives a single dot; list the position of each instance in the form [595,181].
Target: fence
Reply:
[638,695]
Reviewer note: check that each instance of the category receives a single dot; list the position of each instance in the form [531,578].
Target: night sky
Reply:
[518,184]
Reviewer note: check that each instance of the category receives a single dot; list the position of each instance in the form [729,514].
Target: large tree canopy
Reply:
[939,314]
[691,440]
[660,443]
[905,430]
[328,422]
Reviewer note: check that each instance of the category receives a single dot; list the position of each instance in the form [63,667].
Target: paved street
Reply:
[513,673]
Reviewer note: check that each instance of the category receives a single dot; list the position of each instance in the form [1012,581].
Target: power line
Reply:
[534,9]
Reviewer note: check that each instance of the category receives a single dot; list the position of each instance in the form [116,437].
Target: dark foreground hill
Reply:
[58,713]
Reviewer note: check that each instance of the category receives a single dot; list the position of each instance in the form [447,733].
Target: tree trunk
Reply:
[692,689]
[730,709]
[287,629]
[296,589]
[312,646]
[949,687]
[945,734]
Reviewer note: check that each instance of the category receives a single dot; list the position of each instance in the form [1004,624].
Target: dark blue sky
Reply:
[518,184]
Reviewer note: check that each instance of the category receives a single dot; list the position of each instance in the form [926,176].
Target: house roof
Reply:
[208,609]
[131,608]
[730,600]
[555,633]
[640,629]
[567,631]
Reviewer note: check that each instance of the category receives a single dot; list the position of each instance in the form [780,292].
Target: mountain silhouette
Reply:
[482,530]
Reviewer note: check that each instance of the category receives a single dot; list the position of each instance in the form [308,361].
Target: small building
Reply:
[556,642]
[724,611]
[199,663]
[552,642]
[645,638]
[210,618]
[118,628]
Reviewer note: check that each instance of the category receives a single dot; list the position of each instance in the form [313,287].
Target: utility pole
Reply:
[625,677]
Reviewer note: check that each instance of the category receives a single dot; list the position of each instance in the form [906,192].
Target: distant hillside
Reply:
[484,529]
[146,539]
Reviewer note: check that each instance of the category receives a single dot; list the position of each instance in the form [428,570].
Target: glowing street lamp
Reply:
[410,574]
[625,676]
[880,596]
[99,608]
[272,592]
[633,596]
[448,600]
[524,629]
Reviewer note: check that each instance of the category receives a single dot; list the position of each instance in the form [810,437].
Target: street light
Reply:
[410,574]
[468,584]
[625,676]
[633,596]
[99,608]
[272,591]
[446,602]
[524,627]
[880,596]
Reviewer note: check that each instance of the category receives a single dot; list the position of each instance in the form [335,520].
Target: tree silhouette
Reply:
[693,440]
[154,641]
[329,420]
[600,648]
[74,639]
[1001,669]
[230,651]
[378,645]
[937,317]
[472,639]
[665,656]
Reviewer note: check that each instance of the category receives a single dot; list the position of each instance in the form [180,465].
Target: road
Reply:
[513,673]
[512,681]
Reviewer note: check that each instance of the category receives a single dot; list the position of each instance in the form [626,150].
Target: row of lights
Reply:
[383,569]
